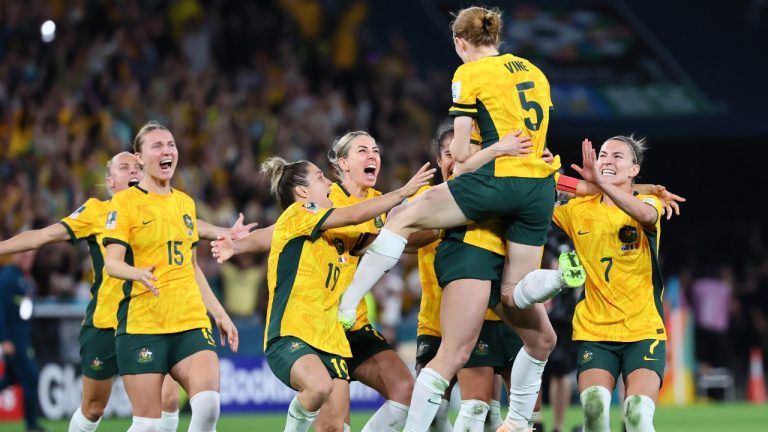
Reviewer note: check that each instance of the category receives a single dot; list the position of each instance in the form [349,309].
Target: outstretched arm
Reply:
[208,231]
[223,248]
[116,267]
[34,239]
[370,208]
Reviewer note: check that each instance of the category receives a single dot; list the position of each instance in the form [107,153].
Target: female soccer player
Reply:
[356,161]
[308,264]
[97,335]
[618,323]
[503,93]
[163,326]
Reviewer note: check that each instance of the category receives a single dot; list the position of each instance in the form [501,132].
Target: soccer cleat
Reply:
[515,427]
[347,318]
[571,270]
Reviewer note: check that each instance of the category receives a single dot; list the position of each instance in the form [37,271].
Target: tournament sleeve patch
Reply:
[111,220]
[455,91]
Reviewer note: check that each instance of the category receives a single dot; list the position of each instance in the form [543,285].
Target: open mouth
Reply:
[133,181]
[166,164]
[608,172]
[370,172]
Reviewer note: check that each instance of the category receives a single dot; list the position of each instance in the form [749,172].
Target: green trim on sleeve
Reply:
[318,229]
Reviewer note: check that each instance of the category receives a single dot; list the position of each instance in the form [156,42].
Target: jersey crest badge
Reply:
[188,223]
[311,207]
[111,220]
[628,234]
[77,212]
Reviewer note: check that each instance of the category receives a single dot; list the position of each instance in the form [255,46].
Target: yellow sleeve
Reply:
[562,218]
[654,201]
[121,218]
[82,223]
[463,94]
[305,220]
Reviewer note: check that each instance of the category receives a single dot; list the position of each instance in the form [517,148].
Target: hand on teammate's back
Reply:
[514,144]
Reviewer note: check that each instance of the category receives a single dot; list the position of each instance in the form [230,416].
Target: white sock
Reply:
[80,423]
[144,424]
[381,256]
[205,411]
[347,428]
[471,416]
[169,421]
[526,382]
[534,417]
[537,286]
[596,404]
[441,423]
[638,413]
[425,400]
[299,419]
[494,417]
[389,418]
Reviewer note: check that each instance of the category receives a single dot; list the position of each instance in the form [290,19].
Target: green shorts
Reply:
[511,342]
[426,348]
[496,347]
[524,204]
[284,351]
[456,260]
[159,353]
[365,343]
[97,353]
[623,357]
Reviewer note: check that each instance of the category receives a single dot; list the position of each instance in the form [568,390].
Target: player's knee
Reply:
[93,409]
[638,413]
[316,395]
[205,410]
[541,346]
[595,402]
[170,400]
[402,390]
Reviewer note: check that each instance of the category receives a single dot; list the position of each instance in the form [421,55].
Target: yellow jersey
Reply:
[622,299]
[486,236]
[304,277]
[87,224]
[157,230]
[353,237]
[505,93]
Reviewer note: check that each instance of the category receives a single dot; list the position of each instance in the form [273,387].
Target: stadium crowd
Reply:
[233,97]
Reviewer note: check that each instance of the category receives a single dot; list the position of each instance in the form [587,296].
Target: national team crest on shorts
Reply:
[188,223]
[481,348]
[295,346]
[145,356]
[97,364]
[586,357]
[423,347]
[378,222]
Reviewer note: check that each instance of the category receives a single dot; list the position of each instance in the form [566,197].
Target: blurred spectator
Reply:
[16,289]
[243,279]
[711,297]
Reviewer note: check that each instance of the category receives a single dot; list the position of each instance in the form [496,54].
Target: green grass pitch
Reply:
[700,418]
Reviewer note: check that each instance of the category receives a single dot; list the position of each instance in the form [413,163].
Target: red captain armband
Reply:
[567,184]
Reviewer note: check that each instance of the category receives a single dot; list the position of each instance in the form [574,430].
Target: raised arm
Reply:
[641,212]
[116,267]
[227,328]
[369,209]
[34,239]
